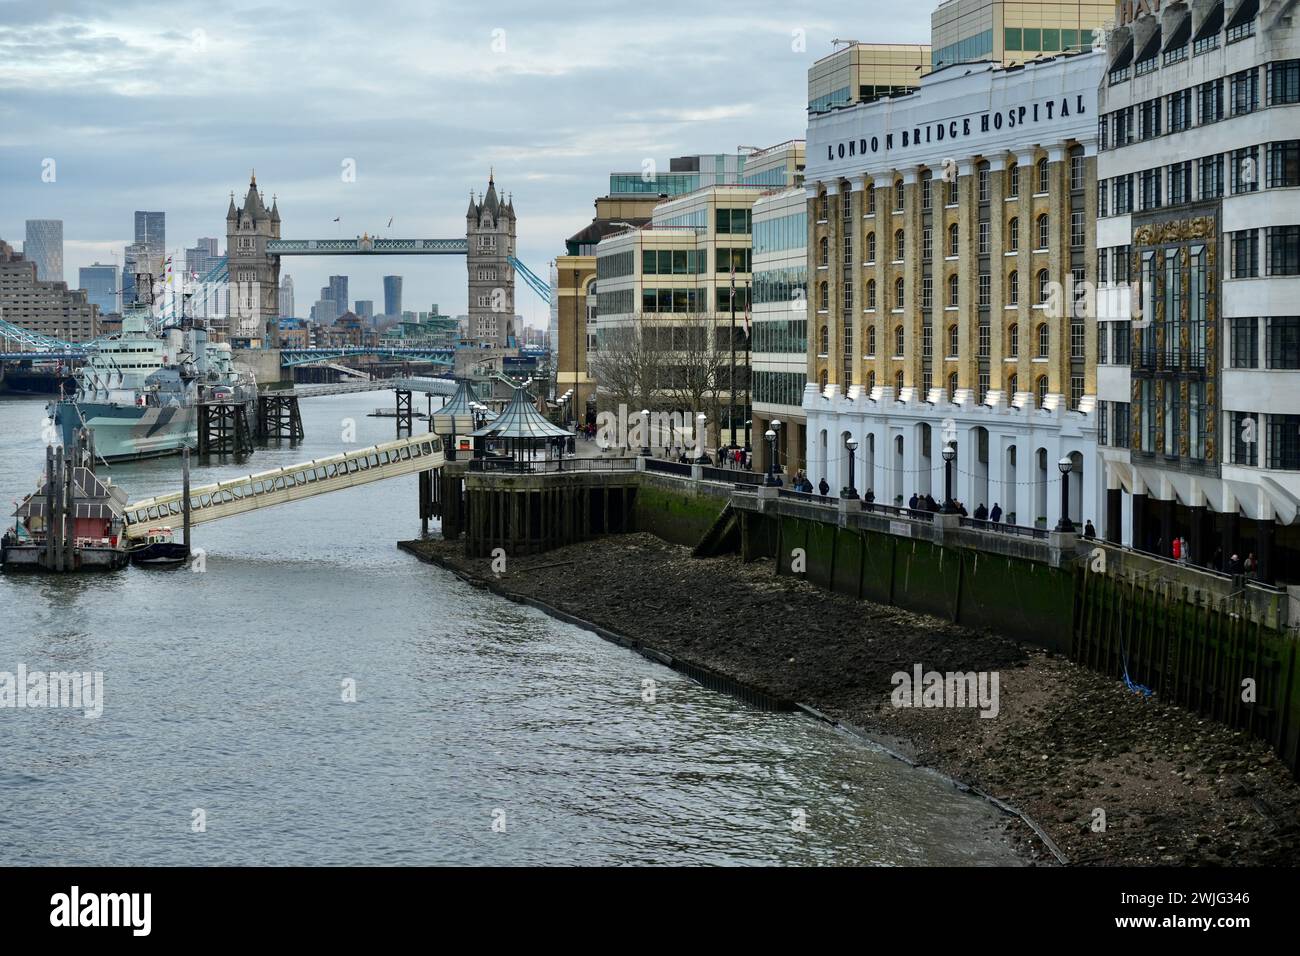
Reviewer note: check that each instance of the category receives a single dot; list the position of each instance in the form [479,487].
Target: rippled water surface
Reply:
[223,692]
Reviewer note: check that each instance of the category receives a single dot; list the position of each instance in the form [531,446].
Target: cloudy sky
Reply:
[152,106]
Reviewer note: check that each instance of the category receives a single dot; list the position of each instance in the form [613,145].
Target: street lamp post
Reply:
[852,445]
[1065,525]
[775,467]
[949,453]
[770,435]
[645,433]
[701,439]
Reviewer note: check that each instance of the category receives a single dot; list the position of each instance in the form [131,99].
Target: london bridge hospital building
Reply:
[948,231]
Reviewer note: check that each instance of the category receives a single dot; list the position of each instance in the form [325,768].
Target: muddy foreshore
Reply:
[1175,789]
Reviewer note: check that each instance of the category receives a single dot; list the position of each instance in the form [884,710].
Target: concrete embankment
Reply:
[1111,776]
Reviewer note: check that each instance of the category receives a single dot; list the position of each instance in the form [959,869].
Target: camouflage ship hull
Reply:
[127,432]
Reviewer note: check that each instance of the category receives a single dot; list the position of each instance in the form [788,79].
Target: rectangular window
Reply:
[1103,199]
[1197,425]
[1103,336]
[983,180]
[986,294]
[1284,442]
[1103,262]
[1149,119]
[927,244]
[927,293]
[1121,340]
[1122,189]
[1284,82]
[984,237]
[1244,246]
[1103,423]
[984,340]
[927,340]
[1245,177]
[1078,337]
[1209,97]
[1197,293]
[1180,110]
[1076,391]
[1284,163]
[1122,263]
[1283,250]
[1180,183]
[1173,302]
[1245,91]
[1076,172]
[1120,420]
[1078,229]
[1147,415]
[1283,344]
[1150,189]
[1210,176]
[1245,427]
[926,181]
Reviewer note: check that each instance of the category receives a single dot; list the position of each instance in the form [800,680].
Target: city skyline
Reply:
[513,92]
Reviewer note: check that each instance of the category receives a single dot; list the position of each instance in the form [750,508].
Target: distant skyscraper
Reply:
[392,295]
[151,229]
[365,309]
[286,297]
[44,246]
[100,284]
[338,289]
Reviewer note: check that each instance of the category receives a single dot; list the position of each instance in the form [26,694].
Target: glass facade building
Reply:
[44,246]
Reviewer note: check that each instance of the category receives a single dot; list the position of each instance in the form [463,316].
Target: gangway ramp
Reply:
[279,486]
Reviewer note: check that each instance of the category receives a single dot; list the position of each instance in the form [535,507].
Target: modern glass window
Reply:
[1243,343]
[1198,413]
[1103,273]
[732,221]
[1149,119]
[1103,337]
[1197,291]
[1173,301]
[1283,343]
[1122,193]
[1122,263]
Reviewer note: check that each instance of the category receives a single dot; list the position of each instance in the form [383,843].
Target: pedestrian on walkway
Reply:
[981,513]
[1089,532]
[823,487]
[911,503]
[996,514]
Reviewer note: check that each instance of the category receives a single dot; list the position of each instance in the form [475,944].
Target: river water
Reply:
[482,732]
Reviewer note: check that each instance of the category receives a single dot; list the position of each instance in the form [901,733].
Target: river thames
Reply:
[482,732]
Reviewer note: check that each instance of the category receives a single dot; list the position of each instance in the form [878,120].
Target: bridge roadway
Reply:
[280,486]
[427,386]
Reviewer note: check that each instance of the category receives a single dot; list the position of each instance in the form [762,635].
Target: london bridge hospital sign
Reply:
[954,129]
[964,110]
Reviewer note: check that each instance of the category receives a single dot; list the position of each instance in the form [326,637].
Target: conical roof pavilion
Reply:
[520,420]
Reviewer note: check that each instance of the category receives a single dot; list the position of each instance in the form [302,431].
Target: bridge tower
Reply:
[490,234]
[254,273]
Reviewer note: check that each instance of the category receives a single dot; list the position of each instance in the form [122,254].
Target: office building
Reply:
[99,282]
[944,228]
[44,246]
[1198,242]
[50,308]
[1013,31]
[392,296]
[864,72]
[286,297]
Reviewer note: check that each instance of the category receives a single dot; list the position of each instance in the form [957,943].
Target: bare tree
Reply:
[627,363]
